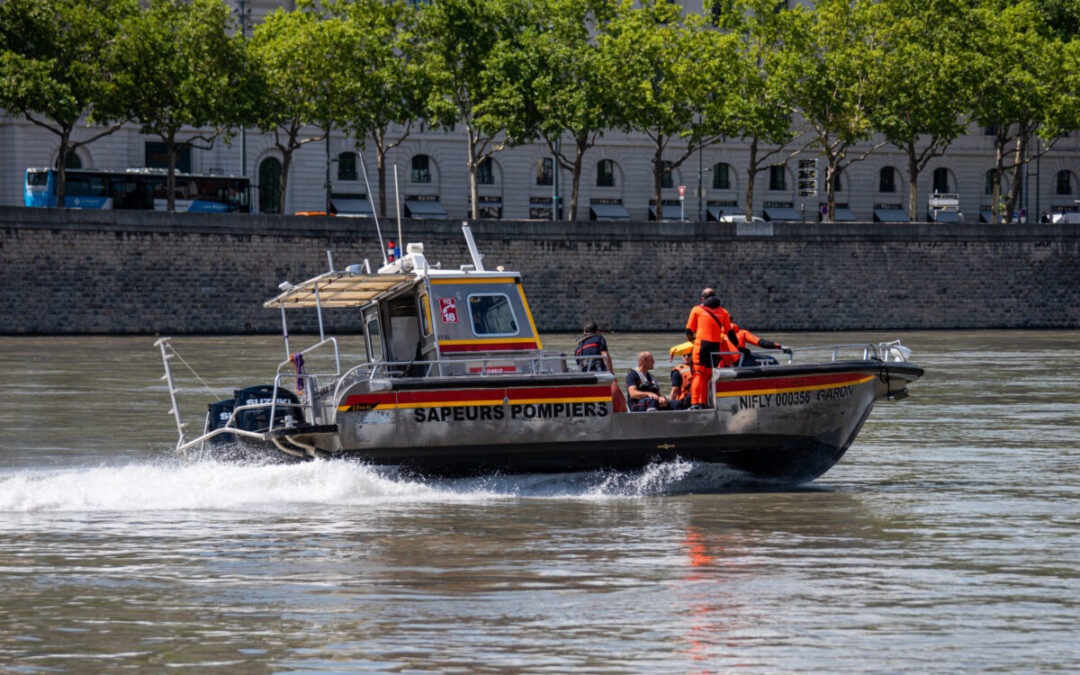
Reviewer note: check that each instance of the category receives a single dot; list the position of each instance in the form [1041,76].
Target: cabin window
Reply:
[492,315]
[374,339]
[425,315]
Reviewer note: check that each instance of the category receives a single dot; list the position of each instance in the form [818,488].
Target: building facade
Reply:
[520,182]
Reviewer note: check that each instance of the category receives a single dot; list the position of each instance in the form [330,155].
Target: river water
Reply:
[946,540]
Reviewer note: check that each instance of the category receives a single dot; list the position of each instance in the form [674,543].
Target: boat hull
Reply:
[786,424]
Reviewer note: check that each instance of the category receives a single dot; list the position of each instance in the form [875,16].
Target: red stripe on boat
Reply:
[489,347]
[788,382]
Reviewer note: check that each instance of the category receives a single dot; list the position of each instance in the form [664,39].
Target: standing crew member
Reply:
[708,326]
[592,344]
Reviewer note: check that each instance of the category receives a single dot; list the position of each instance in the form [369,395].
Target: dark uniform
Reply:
[644,382]
[593,345]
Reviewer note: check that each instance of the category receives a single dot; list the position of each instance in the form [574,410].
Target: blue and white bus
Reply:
[139,189]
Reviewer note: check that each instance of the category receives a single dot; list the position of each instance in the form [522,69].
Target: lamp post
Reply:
[700,194]
[243,13]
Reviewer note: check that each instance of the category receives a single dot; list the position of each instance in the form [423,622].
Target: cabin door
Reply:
[404,334]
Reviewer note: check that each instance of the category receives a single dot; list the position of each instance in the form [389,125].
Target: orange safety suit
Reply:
[710,327]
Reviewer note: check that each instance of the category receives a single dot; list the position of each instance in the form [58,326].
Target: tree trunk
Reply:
[658,176]
[830,190]
[170,181]
[751,176]
[1000,140]
[61,169]
[1017,173]
[380,162]
[913,182]
[474,191]
[575,180]
[286,162]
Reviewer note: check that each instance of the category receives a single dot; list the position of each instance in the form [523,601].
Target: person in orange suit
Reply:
[709,326]
[745,338]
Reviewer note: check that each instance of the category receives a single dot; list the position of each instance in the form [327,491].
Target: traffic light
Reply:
[807,177]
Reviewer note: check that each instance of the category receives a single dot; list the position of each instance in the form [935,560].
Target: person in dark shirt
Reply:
[592,344]
[642,389]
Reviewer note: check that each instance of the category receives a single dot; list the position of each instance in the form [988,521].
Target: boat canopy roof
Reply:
[341,289]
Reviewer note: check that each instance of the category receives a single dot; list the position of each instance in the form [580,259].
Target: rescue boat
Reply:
[455,381]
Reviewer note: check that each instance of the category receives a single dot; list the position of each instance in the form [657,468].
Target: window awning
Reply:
[890,216]
[416,208]
[986,216]
[341,289]
[843,215]
[352,207]
[671,211]
[944,217]
[609,212]
[715,212]
[781,213]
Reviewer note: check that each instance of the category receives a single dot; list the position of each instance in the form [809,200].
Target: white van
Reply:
[740,218]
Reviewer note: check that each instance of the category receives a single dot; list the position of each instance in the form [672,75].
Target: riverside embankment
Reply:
[68,271]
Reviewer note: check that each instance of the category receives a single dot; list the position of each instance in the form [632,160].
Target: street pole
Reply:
[327,184]
[243,12]
[555,183]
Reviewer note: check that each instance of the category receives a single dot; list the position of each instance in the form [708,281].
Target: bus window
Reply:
[86,186]
[39,178]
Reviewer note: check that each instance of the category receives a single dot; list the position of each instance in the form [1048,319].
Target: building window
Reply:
[941,180]
[485,172]
[989,188]
[156,156]
[721,176]
[605,173]
[990,130]
[777,181]
[887,179]
[1064,182]
[421,171]
[667,179]
[270,186]
[545,171]
[837,186]
[73,161]
[346,166]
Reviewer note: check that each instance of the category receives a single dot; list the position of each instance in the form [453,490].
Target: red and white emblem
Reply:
[448,309]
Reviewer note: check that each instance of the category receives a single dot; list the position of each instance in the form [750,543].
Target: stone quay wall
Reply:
[99,272]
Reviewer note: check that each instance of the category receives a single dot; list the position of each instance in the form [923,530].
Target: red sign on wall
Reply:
[448,309]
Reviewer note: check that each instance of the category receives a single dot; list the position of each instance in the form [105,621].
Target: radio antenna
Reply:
[374,209]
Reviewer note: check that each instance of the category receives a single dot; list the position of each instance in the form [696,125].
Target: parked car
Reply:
[740,218]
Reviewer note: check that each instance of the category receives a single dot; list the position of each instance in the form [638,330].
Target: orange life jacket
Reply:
[709,325]
[683,390]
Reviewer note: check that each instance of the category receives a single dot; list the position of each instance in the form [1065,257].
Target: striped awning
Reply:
[341,289]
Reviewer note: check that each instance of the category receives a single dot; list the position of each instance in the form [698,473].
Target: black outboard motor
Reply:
[218,415]
[259,419]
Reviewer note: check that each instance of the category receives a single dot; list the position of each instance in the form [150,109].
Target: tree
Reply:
[831,71]
[925,81]
[54,71]
[303,58]
[1027,86]
[759,103]
[386,83]
[464,37]
[178,67]
[672,77]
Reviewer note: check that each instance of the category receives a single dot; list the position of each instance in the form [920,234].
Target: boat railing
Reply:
[884,351]
[313,348]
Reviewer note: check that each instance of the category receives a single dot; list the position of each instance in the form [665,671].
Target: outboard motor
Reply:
[259,419]
[218,415]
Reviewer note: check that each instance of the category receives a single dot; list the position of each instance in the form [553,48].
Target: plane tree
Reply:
[926,80]
[386,81]
[303,86]
[466,54]
[1027,88]
[54,69]
[759,102]
[177,66]
[831,72]
[672,76]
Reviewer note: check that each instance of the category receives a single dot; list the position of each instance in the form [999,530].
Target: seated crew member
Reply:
[642,389]
[681,376]
[592,344]
[745,337]
[708,326]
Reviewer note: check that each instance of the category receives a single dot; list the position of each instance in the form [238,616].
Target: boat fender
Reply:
[724,373]
[377,385]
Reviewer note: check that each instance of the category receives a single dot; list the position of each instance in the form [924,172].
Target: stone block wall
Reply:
[73,272]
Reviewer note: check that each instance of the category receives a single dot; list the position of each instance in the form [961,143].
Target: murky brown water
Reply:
[947,539]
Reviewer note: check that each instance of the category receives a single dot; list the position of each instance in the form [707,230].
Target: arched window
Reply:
[346,166]
[667,179]
[545,171]
[989,187]
[777,179]
[73,161]
[887,179]
[721,176]
[837,186]
[485,172]
[941,180]
[605,173]
[270,185]
[421,169]
[1064,182]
